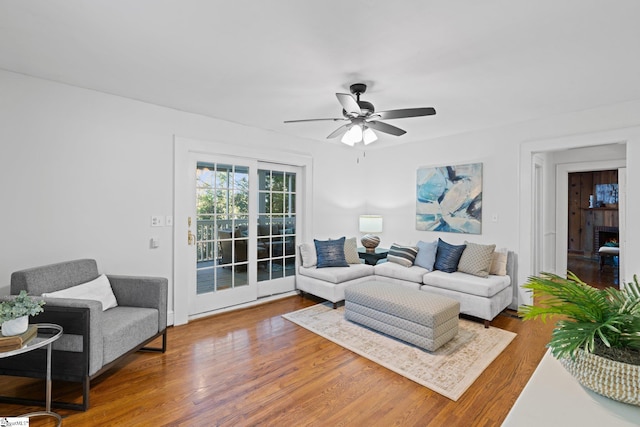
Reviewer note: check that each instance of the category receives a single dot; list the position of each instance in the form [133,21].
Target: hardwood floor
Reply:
[252,367]
[588,270]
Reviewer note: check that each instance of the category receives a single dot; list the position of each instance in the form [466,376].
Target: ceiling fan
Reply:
[363,119]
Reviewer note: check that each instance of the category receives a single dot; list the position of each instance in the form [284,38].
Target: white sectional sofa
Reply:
[329,282]
[480,297]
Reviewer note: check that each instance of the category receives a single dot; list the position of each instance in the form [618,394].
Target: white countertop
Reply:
[552,397]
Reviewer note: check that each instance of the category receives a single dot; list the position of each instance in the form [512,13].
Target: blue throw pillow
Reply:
[330,253]
[426,254]
[448,256]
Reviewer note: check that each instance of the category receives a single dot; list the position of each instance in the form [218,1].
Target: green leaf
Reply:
[18,306]
[587,315]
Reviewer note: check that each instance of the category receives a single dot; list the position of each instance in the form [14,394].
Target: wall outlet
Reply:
[157,221]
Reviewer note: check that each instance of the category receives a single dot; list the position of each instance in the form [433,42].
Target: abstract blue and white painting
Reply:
[449,198]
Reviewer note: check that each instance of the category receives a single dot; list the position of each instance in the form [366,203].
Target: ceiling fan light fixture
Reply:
[353,135]
[362,119]
[368,136]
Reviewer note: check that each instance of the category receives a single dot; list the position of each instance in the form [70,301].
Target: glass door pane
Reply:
[222,204]
[277,223]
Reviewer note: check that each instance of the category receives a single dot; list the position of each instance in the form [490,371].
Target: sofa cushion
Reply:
[337,275]
[308,254]
[330,253]
[98,289]
[476,259]
[426,254]
[466,283]
[448,256]
[403,255]
[124,328]
[499,262]
[397,271]
[351,251]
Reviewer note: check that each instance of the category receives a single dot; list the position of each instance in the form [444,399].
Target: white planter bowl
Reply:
[15,326]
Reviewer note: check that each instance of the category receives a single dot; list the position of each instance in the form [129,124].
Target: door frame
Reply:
[183,149]
[527,150]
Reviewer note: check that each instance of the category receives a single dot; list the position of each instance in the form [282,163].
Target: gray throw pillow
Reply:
[351,251]
[476,259]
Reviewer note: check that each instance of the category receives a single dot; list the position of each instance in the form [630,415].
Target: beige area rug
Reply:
[450,370]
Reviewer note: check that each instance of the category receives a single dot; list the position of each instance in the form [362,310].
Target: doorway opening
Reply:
[593,232]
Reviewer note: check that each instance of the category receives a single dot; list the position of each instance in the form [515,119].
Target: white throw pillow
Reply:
[98,289]
[499,262]
[308,254]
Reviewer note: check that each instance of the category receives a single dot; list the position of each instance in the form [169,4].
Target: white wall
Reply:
[81,173]
[506,154]
[394,194]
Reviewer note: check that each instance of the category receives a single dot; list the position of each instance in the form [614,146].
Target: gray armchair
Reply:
[93,340]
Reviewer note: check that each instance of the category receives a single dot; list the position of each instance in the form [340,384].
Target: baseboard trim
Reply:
[259,301]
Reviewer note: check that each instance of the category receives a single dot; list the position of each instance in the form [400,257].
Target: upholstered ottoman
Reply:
[420,318]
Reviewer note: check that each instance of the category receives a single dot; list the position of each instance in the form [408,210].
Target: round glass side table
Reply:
[47,334]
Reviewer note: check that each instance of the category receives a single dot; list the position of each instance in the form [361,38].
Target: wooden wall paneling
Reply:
[575,214]
[587,187]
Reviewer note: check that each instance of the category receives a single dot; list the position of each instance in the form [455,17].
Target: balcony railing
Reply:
[208,247]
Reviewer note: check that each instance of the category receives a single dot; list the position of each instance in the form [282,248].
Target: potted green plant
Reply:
[15,312]
[597,338]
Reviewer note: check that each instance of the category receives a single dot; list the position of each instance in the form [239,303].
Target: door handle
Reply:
[191,238]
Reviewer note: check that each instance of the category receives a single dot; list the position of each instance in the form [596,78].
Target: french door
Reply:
[238,218]
[241,230]
[223,266]
[278,207]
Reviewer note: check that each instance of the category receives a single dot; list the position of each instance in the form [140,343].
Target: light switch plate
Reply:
[157,221]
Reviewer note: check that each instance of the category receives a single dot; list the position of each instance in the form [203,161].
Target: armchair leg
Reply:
[156,349]
[85,393]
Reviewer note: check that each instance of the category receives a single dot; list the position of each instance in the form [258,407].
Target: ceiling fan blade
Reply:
[349,103]
[386,128]
[406,112]
[340,131]
[315,120]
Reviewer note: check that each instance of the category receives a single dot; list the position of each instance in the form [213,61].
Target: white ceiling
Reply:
[481,64]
